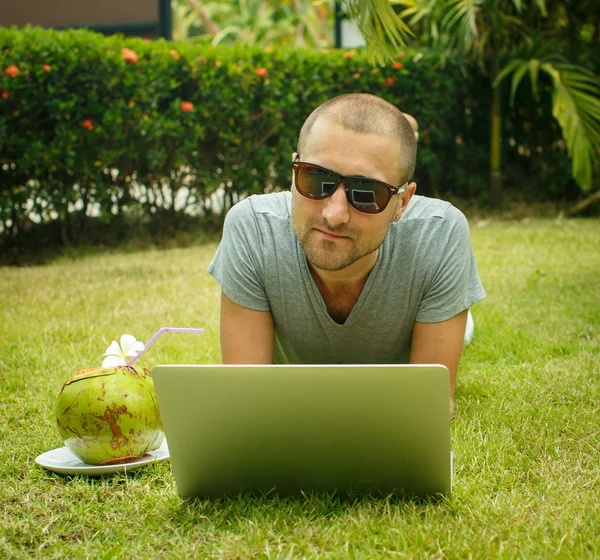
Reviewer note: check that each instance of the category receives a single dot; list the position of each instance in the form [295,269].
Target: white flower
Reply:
[116,355]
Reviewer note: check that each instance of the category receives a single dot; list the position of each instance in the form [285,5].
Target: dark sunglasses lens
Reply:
[367,196]
[315,183]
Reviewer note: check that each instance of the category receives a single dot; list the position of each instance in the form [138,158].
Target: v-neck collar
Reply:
[316,296]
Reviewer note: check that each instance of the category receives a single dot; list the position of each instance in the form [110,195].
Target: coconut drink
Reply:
[109,415]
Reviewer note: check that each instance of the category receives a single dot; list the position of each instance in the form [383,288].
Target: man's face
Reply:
[333,234]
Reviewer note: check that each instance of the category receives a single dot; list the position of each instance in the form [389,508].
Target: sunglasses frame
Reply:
[297,165]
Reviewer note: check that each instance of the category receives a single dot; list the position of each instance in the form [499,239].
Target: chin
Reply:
[331,258]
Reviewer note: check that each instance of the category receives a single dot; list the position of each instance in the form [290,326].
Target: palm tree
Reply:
[254,22]
[502,37]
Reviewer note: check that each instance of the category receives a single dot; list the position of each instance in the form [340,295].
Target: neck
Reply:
[354,275]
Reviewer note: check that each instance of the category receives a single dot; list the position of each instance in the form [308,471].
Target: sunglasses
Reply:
[366,195]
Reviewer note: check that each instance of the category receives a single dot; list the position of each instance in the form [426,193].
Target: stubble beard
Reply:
[330,255]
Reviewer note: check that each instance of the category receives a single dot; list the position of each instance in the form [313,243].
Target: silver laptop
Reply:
[364,429]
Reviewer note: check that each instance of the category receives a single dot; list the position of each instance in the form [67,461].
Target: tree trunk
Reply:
[581,206]
[495,186]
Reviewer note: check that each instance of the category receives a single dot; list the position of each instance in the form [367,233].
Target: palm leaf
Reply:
[541,4]
[229,30]
[517,76]
[534,52]
[457,26]
[460,22]
[518,68]
[534,70]
[518,4]
[576,107]
[514,22]
[384,31]
[416,10]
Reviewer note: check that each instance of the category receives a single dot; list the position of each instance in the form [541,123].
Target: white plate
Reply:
[62,461]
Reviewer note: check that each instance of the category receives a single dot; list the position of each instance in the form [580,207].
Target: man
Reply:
[350,266]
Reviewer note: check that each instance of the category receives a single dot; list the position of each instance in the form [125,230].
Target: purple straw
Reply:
[158,333]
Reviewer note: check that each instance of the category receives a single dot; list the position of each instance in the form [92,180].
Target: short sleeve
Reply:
[455,284]
[238,264]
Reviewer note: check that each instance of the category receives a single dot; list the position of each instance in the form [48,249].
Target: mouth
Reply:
[331,236]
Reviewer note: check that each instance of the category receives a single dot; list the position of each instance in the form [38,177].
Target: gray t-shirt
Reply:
[425,271]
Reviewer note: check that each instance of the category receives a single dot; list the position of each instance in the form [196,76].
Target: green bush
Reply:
[85,132]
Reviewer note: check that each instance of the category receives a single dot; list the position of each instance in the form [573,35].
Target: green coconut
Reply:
[109,415]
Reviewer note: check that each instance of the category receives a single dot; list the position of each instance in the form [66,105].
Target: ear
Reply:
[403,200]
[294,158]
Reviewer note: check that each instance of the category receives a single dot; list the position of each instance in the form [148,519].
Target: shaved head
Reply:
[364,113]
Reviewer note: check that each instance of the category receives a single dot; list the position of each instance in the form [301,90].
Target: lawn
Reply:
[526,436]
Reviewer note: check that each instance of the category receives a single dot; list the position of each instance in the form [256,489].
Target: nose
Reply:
[336,210]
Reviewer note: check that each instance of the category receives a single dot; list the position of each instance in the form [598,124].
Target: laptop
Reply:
[297,429]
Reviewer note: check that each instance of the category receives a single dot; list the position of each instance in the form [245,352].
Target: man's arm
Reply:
[247,336]
[440,343]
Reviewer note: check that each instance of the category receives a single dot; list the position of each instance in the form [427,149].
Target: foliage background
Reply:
[93,147]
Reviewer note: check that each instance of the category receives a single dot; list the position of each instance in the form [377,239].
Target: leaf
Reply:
[517,76]
[230,30]
[459,25]
[384,31]
[576,107]
[541,4]
[534,69]
[518,68]
[508,69]
[418,9]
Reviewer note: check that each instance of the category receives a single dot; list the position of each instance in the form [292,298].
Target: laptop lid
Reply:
[299,428]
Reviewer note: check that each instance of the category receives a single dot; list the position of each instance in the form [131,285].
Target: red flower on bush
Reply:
[88,124]
[174,53]
[130,56]
[5,95]
[187,107]
[390,81]
[397,65]
[217,63]
[12,71]
[261,72]
[349,54]
[46,67]
[268,48]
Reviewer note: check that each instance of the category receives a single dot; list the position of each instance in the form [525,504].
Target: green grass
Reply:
[526,435]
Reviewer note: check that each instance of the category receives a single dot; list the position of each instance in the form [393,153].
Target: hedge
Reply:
[128,131]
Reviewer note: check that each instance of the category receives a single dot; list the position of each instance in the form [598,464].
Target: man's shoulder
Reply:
[425,208]
[275,205]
